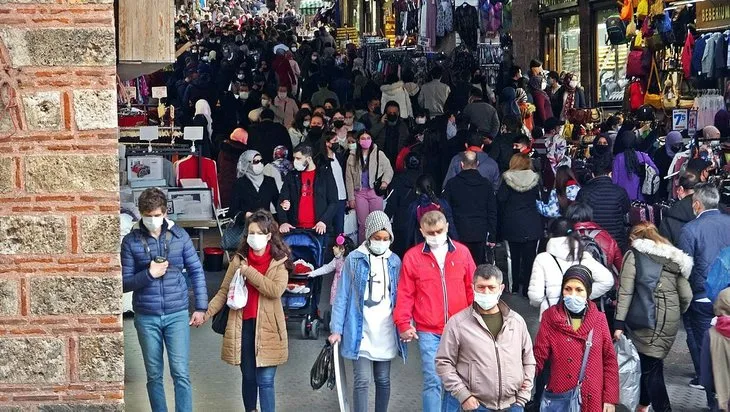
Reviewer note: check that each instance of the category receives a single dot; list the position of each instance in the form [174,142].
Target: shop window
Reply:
[611,63]
[569,44]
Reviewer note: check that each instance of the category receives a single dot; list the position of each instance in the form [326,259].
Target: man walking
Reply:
[485,357]
[153,258]
[487,166]
[435,284]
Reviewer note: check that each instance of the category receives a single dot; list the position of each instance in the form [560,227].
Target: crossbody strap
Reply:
[561,271]
[589,343]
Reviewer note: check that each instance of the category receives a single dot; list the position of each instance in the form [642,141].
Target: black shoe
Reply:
[695,383]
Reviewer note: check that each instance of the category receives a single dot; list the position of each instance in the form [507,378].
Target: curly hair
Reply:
[267,224]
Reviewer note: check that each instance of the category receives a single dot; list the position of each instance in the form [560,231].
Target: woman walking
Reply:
[362,315]
[255,336]
[653,261]
[629,166]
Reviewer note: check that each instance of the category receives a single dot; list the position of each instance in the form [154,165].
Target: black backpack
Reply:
[616,30]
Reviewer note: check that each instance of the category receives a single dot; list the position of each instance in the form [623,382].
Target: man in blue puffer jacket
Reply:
[153,258]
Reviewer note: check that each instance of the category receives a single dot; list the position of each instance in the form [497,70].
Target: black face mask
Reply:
[315,132]
[329,112]
[338,123]
[392,118]
[486,147]
[376,110]
[516,151]
[677,148]
[599,150]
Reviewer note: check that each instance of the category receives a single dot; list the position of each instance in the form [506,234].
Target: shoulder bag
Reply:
[653,99]
[232,234]
[569,401]
[220,320]
[379,179]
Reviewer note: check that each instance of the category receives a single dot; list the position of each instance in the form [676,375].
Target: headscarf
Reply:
[203,108]
[520,96]
[711,132]
[631,161]
[509,95]
[535,82]
[581,274]
[281,163]
[566,82]
[239,135]
[244,168]
[673,138]
[722,122]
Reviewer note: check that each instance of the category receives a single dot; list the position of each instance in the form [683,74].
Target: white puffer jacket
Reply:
[548,270]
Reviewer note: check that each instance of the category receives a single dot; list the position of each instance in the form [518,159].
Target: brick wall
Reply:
[525,33]
[61,346]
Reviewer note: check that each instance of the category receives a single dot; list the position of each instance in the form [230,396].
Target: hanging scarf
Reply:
[203,108]
[570,98]
[245,168]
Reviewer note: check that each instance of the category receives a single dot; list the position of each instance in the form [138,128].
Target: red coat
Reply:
[543,108]
[283,70]
[557,342]
[606,242]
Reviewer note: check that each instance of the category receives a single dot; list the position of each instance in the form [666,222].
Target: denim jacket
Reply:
[347,311]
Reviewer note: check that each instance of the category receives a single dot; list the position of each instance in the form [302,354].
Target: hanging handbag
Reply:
[636,95]
[569,401]
[232,234]
[627,11]
[379,179]
[670,95]
[642,10]
[634,65]
[220,320]
[653,99]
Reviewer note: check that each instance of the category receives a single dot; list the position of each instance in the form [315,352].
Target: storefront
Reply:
[560,27]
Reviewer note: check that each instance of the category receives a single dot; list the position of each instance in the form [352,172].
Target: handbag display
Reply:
[653,99]
[569,401]
[670,95]
[634,64]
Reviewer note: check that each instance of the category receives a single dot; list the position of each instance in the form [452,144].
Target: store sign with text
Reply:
[550,5]
[679,119]
[713,14]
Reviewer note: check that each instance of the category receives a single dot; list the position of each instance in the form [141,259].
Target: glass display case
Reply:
[610,63]
[568,37]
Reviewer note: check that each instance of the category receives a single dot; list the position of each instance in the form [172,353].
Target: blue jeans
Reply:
[363,368]
[697,322]
[171,332]
[256,381]
[452,404]
[428,344]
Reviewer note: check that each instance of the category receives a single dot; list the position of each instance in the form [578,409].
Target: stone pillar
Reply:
[61,344]
[525,33]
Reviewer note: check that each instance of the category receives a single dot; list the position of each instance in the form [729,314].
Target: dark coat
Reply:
[393,138]
[543,108]
[703,239]
[519,220]
[403,194]
[325,198]
[474,204]
[413,232]
[676,217]
[247,199]
[610,205]
[169,293]
[206,146]
[265,136]
[501,150]
[227,164]
[662,161]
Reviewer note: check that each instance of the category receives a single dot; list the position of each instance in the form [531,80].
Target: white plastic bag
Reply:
[237,292]
[629,372]
[351,225]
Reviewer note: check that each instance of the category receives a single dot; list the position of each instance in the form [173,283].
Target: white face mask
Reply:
[305,123]
[281,95]
[420,120]
[486,301]
[153,224]
[257,242]
[436,241]
[378,247]
[543,85]
[352,147]
[300,165]
[349,122]
[264,102]
[573,84]
[257,169]
[244,95]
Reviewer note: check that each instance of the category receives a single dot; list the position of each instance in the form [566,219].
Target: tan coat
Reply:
[379,166]
[272,342]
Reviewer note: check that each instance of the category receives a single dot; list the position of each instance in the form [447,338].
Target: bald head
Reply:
[469,160]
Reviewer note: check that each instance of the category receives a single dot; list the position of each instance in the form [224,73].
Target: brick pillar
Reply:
[61,344]
[525,33]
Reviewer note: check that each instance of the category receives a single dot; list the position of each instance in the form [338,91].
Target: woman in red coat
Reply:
[561,341]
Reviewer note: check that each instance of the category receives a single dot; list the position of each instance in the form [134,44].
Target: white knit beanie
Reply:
[377,221]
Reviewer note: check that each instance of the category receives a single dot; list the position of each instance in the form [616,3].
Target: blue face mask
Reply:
[574,303]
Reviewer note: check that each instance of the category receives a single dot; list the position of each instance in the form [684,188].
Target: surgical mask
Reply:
[205,58]
[257,242]
[573,84]
[257,169]
[574,303]
[293,49]
[436,241]
[378,247]
[281,95]
[365,144]
[349,122]
[305,123]
[486,301]
[243,95]
[543,85]
[240,76]
[451,130]
[153,224]
[300,165]
[264,102]
[314,58]
[420,120]
[338,123]
[352,147]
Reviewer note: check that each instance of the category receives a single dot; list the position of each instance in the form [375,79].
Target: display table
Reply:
[200,226]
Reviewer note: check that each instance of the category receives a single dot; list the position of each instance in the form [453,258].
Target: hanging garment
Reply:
[444,19]
[466,23]
[188,168]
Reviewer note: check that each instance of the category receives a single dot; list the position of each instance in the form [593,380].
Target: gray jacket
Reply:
[483,116]
[433,97]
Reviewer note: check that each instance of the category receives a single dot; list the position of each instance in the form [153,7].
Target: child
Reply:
[342,247]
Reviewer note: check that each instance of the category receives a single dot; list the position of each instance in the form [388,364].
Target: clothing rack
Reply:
[369,50]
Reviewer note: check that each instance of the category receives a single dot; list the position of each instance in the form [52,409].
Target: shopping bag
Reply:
[350,225]
[629,372]
[237,292]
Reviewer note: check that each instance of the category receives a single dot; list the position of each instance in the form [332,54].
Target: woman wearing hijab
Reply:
[526,111]
[252,190]
[570,96]
[280,167]
[663,159]
[202,118]
[230,153]
[628,167]
[543,108]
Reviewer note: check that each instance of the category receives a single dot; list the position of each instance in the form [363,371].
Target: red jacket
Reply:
[283,70]
[606,242]
[543,108]
[426,295]
[558,343]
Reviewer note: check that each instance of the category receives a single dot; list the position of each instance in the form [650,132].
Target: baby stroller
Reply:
[301,298]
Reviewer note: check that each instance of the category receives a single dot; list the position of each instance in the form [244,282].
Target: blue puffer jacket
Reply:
[703,239]
[347,316]
[169,293]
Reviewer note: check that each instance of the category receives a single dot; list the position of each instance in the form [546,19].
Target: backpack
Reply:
[649,180]
[422,210]
[616,30]
[588,239]
[718,277]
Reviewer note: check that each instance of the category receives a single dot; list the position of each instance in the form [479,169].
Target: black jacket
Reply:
[393,138]
[675,219]
[610,205]
[519,220]
[403,194]
[662,161]
[474,205]
[245,197]
[325,198]
[501,150]
[264,136]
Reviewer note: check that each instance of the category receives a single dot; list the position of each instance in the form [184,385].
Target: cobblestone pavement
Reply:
[217,384]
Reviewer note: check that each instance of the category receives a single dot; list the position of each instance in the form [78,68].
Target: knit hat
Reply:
[377,221]
[580,273]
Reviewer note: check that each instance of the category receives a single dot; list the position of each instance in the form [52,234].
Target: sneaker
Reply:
[695,383]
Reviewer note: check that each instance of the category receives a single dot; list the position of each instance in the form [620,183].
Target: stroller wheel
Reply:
[305,332]
[314,333]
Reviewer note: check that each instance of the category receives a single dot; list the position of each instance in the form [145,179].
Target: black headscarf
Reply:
[631,160]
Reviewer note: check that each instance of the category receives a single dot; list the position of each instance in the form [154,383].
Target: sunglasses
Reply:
[256,161]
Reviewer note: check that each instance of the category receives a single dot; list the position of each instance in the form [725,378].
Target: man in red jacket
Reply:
[436,275]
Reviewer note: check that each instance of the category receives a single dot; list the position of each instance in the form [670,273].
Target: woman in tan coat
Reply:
[255,336]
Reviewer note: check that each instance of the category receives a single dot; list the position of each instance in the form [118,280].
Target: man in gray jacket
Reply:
[481,343]
[481,114]
[434,93]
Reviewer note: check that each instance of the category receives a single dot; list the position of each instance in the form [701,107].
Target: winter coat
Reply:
[472,361]
[546,281]
[378,167]
[501,151]
[563,347]
[474,205]
[629,181]
[703,239]
[433,97]
[672,296]
[662,160]
[264,136]
[519,220]
[247,199]
[403,194]
[603,239]
[429,297]
[325,198]
[487,168]
[675,218]
[543,108]
[169,293]
[271,339]
[391,139]
[396,92]
[227,169]
[483,116]
[347,311]
[714,358]
[610,205]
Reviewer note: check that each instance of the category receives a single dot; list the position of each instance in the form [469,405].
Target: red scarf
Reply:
[261,265]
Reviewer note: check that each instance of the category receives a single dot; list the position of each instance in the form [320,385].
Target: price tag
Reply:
[692,123]
[149,133]
[159,92]
[679,119]
[131,92]
[193,133]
